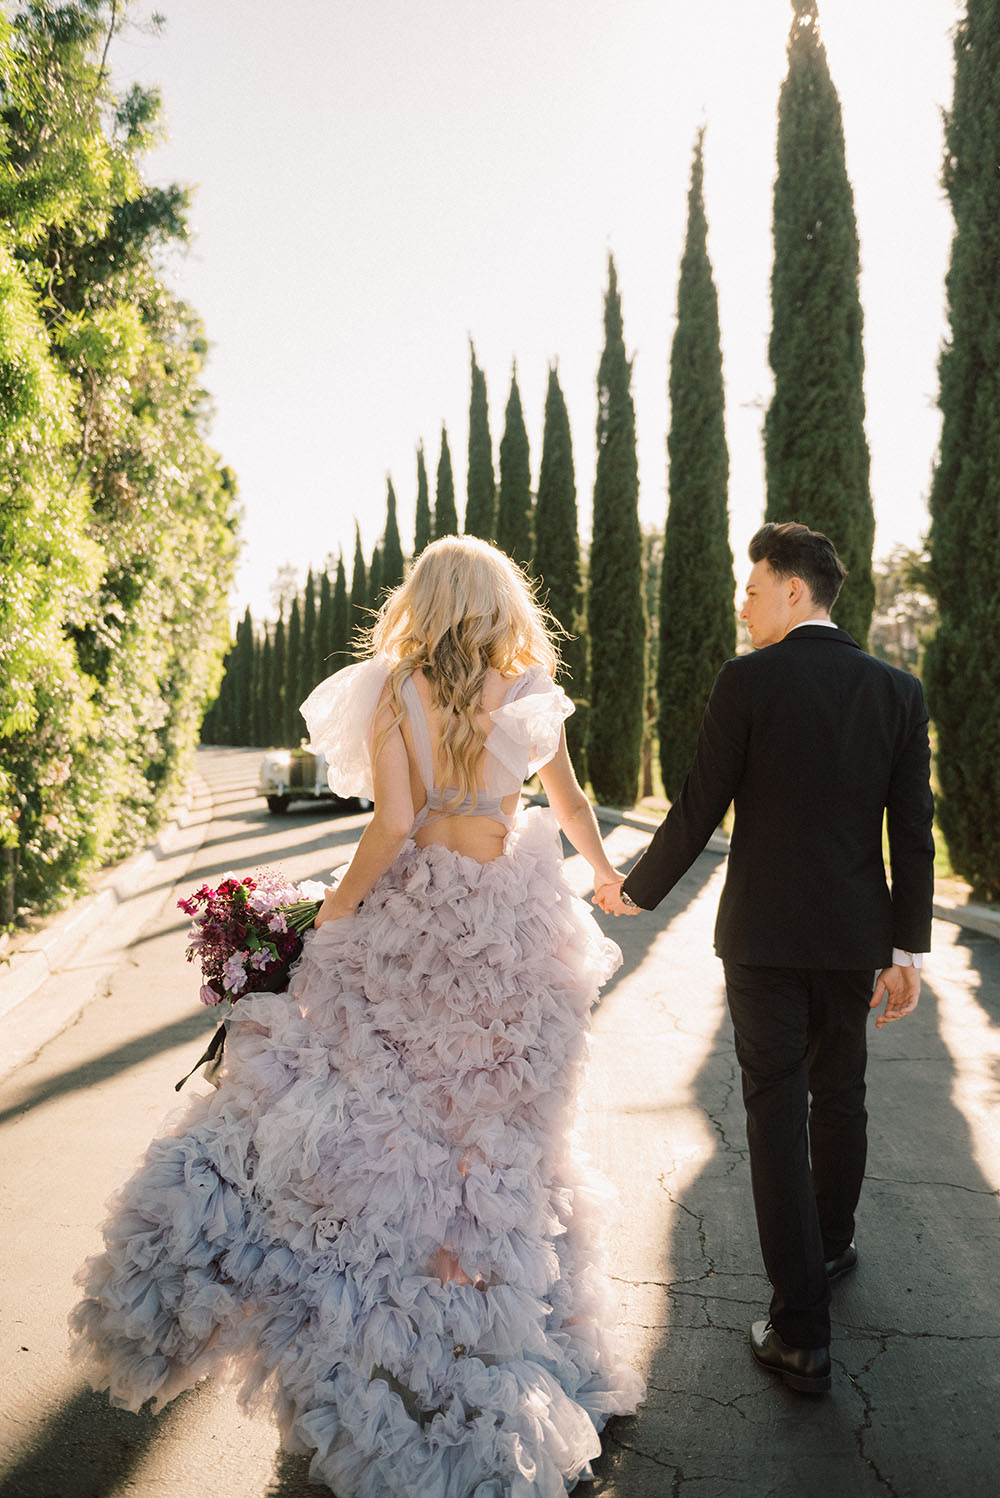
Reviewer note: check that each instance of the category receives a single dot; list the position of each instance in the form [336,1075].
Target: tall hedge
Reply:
[815,447]
[697,620]
[424,523]
[962,671]
[117,532]
[615,607]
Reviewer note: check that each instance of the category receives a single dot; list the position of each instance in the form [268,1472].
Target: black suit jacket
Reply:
[813,741]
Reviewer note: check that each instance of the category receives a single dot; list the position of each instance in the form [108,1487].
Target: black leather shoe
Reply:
[843,1263]
[806,1369]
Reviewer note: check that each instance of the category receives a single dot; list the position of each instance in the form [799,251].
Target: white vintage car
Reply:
[288,775]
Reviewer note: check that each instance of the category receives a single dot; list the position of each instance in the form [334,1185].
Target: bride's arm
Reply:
[575,814]
[387,831]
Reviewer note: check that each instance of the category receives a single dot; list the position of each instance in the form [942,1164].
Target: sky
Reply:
[378,181]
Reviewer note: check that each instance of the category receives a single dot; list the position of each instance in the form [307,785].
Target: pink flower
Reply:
[208,995]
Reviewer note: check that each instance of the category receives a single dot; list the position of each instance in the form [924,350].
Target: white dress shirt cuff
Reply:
[906,959]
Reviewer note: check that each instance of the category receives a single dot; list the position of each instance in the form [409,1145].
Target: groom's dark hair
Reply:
[793,550]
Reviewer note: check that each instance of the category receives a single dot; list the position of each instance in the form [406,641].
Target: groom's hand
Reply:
[900,987]
[609,897]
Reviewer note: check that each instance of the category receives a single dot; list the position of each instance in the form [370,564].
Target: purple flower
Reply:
[234,970]
[260,959]
[277,923]
[208,995]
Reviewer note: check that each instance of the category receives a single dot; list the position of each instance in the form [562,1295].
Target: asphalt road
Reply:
[915,1408]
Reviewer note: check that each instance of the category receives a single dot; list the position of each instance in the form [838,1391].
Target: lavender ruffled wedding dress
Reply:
[379,1221]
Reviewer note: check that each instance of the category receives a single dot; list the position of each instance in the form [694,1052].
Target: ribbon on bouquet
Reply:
[212,1054]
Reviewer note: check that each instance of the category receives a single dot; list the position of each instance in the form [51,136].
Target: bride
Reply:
[379,1220]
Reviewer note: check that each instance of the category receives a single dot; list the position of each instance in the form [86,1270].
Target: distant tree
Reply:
[340,641]
[963,680]
[445,513]
[293,725]
[285,587]
[515,521]
[311,668]
[616,615]
[358,613]
[424,526]
[697,621]
[324,627]
[557,563]
[814,434]
[905,613]
[375,579]
[481,491]
[279,677]
[265,689]
[393,565]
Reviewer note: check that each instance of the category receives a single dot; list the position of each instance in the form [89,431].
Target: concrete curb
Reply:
[46,951]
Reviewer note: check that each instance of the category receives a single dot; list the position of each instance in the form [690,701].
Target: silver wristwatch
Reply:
[627,900]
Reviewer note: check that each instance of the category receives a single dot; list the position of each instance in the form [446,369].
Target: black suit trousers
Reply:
[801,1041]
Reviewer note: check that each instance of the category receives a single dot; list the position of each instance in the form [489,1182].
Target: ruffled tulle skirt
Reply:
[379,1221]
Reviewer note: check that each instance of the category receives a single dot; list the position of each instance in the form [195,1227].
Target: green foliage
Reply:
[292,725]
[963,683]
[481,491]
[422,534]
[445,513]
[312,666]
[615,607]
[393,564]
[515,521]
[814,437]
[358,615]
[375,579]
[117,538]
[697,622]
[557,563]
[341,619]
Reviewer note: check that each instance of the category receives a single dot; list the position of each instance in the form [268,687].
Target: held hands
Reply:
[900,987]
[607,895]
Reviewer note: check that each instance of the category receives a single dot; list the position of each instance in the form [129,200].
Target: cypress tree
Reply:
[239,682]
[515,521]
[340,640]
[815,447]
[279,679]
[393,565]
[358,612]
[481,489]
[324,628]
[422,534]
[445,513]
[697,622]
[265,690]
[375,579]
[615,608]
[963,677]
[557,562]
[311,668]
[293,724]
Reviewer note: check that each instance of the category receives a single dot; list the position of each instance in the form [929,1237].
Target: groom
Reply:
[813,741]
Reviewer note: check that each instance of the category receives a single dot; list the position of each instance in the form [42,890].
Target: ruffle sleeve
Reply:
[527,727]
[339,714]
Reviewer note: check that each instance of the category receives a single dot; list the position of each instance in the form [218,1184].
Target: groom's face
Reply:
[767,611]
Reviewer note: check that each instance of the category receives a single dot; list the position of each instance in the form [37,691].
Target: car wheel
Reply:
[278,805]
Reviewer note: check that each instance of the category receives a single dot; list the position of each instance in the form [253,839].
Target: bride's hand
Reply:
[331,909]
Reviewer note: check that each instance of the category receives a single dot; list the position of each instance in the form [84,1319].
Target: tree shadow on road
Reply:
[86,1449]
[98,1068]
[916,1328]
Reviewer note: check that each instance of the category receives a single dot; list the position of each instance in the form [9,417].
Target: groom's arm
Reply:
[909,823]
[707,792]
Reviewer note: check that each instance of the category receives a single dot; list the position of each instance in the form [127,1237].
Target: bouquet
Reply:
[246,933]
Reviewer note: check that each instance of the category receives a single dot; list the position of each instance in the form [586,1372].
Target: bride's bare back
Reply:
[479,837]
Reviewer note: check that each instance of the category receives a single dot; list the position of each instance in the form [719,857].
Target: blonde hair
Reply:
[464,608]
